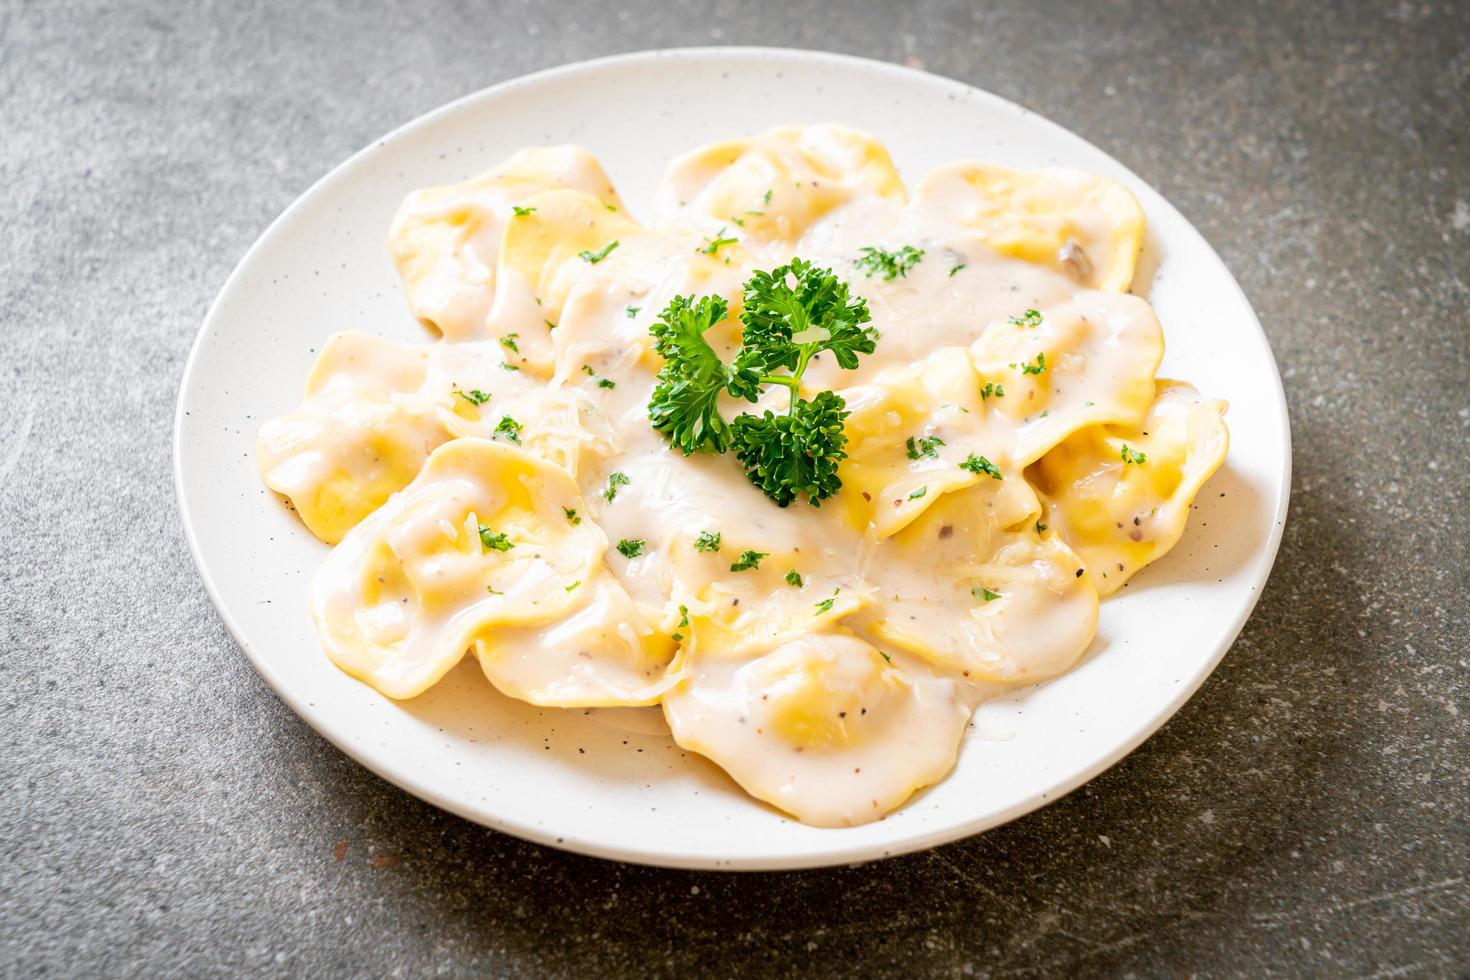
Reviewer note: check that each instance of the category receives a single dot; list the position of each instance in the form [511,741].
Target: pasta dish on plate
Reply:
[814,462]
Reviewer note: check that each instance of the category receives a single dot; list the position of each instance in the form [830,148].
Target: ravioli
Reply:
[774,187]
[446,241]
[362,433]
[1120,495]
[825,726]
[479,541]
[1088,227]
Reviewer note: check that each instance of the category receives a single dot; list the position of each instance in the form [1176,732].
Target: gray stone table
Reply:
[1306,813]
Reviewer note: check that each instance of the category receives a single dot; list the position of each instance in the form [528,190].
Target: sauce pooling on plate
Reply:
[813,465]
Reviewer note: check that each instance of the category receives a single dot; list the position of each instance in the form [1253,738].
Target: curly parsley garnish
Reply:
[890,265]
[792,313]
[596,257]
[981,466]
[748,559]
[707,541]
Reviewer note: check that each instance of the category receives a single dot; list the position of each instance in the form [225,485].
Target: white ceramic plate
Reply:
[611,783]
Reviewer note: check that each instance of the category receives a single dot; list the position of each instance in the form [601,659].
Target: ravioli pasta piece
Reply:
[909,432]
[362,433]
[1085,226]
[1090,360]
[602,653]
[479,541]
[1122,513]
[959,590]
[824,726]
[773,187]
[544,254]
[446,240]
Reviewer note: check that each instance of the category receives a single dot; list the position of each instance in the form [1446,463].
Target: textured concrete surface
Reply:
[1306,813]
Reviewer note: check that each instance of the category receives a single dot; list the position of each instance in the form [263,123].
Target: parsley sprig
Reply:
[791,314]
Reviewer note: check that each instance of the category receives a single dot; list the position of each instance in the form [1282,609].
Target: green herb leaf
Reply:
[890,265]
[1038,367]
[981,466]
[632,311]
[748,559]
[927,446]
[1031,318]
[509,428]
[793,578]
[608,383]
[571,513]
[631,547]
[615,482]
[825,606]
[522,212]
[919,492]
[981,592]
[719,241]
[596,257]
[955,269]
[1130,456]
[991,388]
[509,341]
[685,400]
[707,541]
[494,541]
[474,396]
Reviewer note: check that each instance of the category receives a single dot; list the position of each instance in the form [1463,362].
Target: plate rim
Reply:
[816,858]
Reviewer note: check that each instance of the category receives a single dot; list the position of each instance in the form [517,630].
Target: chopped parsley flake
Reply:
[522,212]
[981,466]
[927,446]
[890,265]
[596,257]
[991,388]
[748,559]
[587,370]
[981,592]
[1132,456]
[767,198]
[509,342]
[632,311]
[683,615]
[494,541]
[919,492]
[508,366]
[493,590]
[955,269]
[571,513]
[1031,318]
[615,482]
[509,428]
[713,245]
[1037,368]
[885,656]
[825,606]
[608,383]
[793,578]
[631,547]
[1041,528]
[707,541]
[474,396]
[574,585]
